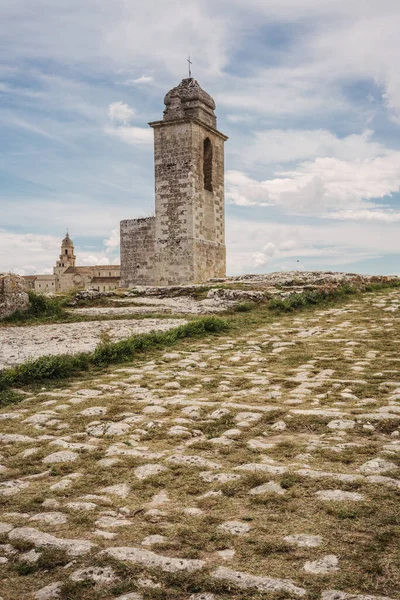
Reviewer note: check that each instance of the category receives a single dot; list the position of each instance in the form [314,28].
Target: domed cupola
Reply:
[189,101]
[67,242]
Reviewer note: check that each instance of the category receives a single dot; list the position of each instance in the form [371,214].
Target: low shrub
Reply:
[44,306]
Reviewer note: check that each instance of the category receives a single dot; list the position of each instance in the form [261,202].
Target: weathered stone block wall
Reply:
[190,225]
[137,252]
[210,261]
[209,252]
[13,294]
[174,211]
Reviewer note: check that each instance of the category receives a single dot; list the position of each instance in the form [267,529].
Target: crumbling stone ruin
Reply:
[13,294]
[185,241]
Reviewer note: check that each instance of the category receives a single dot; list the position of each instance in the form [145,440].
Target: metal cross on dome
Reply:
[190,63]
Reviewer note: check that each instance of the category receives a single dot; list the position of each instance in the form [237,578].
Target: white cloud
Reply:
[260,259]
[119,34]
[281,249]
[81,212]
[16,248]
[323,186]
[142,80]
[271,245]
[387,216]
[344,40]
[136,136]
[347,42]
[91,260]
[119,112]
[24,270]
[112,242]
[244,191]
[280,91]
[290,145]
[240,118]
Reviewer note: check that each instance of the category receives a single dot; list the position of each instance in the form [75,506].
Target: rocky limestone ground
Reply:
[300,279]
[183,305]
[19,344]
[263,464]
[268,284]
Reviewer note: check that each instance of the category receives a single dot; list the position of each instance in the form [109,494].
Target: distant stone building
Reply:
[185,241]
[66,276]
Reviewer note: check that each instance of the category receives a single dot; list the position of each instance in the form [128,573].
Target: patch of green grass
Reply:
[376,286]
[125,350]
[307,298]
[50,558]
[45,367]
[24,568]
[326,295]
[65,365]
[76,590]
[244,307]
[9,396]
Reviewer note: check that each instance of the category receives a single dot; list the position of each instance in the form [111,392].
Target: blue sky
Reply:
[307,91]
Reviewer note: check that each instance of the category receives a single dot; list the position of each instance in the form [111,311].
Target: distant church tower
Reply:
[67,256]
[185,241]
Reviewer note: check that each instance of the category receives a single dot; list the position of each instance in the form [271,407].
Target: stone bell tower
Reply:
[185,241]
[67,256]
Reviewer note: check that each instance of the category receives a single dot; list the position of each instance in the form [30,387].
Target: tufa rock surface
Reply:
[13,294]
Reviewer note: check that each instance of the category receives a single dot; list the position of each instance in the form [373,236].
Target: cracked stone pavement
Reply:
[252,465]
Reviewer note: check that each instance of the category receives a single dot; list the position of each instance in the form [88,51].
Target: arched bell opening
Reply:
[207,164]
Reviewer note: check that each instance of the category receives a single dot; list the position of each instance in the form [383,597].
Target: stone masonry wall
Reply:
[210,261]
[13,294]
[209,253]
[190,227]
[174,211]
[138,252]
